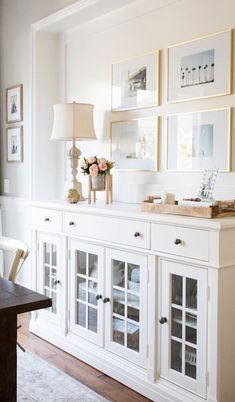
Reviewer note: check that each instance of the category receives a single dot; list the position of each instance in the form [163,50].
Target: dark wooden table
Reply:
[14,299]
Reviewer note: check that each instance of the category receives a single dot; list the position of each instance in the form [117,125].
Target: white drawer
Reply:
[47,219]
[131,233]
[185,242]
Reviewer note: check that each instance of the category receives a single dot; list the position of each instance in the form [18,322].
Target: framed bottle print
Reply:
[200,68]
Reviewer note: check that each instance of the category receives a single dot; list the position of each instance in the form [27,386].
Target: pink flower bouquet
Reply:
[94,166]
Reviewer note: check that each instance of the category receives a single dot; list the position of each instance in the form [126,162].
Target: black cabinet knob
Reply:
[163,320]
[47,219]
[177,241]
[106,300]
[71,223]
[137,234]
[56,282]
[98,297]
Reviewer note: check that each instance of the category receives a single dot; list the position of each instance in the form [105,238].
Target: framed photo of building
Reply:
[200,68]
[15,144]
[134,144]
[198,141]
[135,82]
[14,104]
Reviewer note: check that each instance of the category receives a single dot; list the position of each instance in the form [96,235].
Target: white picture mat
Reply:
[180,138]
[134,144]
[14,95]
[144,98]
[14,144]
[221,43]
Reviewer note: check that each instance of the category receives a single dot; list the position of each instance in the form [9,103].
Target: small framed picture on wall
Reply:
[14,104]
[200,68]
[15,144]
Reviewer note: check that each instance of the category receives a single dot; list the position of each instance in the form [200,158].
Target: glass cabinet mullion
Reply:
[183,325]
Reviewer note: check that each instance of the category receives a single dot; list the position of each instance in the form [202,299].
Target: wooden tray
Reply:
[200,212]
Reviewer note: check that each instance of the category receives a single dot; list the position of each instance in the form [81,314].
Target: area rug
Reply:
[38,381]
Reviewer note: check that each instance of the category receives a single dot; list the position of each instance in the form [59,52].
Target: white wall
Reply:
[92,48]
[16,17]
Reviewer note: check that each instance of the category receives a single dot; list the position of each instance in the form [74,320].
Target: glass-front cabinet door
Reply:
[125,300]
[49,280]
[183,325]
[86,284]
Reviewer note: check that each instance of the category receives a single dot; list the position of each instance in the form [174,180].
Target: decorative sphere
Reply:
[72,196]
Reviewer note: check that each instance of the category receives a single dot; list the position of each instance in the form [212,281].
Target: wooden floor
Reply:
[94,379]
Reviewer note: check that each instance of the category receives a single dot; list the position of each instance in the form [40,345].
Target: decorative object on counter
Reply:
[198,208]
[14,104]
[167,198]
[72,196]
[15,144]
[134,144]
[207,185]
[200,68]
[100,179]
[199,140]
[135,82]
[74,122]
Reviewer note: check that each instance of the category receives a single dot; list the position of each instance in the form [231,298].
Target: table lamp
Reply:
[73,122]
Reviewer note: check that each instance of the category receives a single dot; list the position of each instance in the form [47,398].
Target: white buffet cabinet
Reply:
[148,299]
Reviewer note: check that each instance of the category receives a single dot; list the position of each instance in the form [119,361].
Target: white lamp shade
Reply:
[73,121]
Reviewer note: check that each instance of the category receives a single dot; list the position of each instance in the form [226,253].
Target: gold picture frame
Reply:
[204,77]
[199,141]
[138,148]
[132,79]
[14,104]
[14,144]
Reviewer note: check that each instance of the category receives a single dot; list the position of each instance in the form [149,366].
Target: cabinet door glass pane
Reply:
[92,319]
[53,278]
[119,273]
[133,303]
[93,266]
[54,255]
[81,314]
[46,253]
[47,276]
[176,322]
[190,362]
[133,334]
[118,331]
[133,277]
[81,288]
[92,292]
[177,289]
[191,293]
[81,262]
[176,356]
[119,302]
[191,328]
